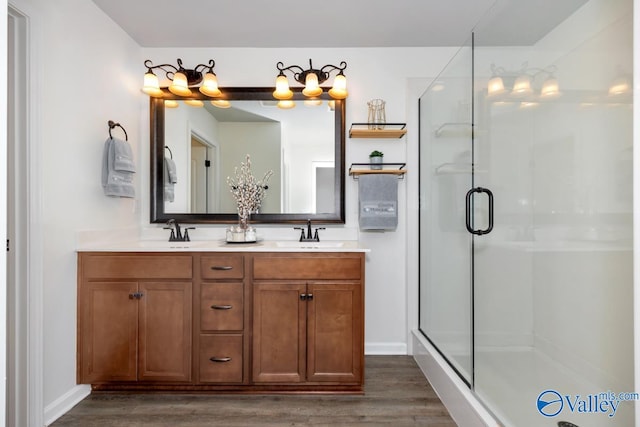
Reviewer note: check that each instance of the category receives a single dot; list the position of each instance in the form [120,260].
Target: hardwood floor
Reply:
[396,393]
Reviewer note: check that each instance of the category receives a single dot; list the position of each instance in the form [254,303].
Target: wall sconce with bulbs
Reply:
[311,79]
[521,82]
[182,79]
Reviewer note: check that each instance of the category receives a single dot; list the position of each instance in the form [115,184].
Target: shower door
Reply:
[445,248]
[553,281]
[526,269]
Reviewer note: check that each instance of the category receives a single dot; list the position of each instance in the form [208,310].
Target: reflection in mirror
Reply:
[303,146]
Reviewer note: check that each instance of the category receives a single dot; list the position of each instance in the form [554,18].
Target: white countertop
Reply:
[223,246]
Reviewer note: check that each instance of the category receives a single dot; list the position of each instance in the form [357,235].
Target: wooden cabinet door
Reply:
[165,331]
[108,332]
[335,332]
[279,332]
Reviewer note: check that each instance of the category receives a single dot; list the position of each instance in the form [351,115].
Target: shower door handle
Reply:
[468,198]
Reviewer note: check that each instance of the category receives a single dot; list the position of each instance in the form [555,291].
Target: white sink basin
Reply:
[309,245]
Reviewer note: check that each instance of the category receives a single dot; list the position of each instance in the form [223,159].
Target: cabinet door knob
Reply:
[220,359]
[222,267]
[221,307]
[136,295]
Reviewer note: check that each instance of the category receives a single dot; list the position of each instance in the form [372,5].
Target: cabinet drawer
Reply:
[128,266]
[221,306]
[222,267]
[221,358]
[340,266]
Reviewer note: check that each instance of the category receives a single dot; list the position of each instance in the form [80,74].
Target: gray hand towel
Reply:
[115,182]
[378,202]
[123,156]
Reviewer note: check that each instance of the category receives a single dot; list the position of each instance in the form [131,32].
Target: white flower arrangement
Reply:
[248,192]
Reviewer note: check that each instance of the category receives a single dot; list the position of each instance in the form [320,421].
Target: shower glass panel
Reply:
[445,248]
[552,282]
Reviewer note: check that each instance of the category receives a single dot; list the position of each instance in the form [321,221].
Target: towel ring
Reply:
[170,153]
[113,124]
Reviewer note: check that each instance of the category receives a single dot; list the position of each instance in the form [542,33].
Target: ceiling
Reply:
[333,23]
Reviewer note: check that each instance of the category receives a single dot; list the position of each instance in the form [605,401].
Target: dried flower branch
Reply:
[248,192]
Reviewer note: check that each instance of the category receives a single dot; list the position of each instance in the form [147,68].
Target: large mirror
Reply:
[303,146]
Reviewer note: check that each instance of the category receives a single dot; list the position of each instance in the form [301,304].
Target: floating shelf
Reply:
[364,130]
[357,169]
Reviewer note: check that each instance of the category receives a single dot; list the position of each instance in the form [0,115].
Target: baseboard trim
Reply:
[461,403]
[383,348]
[64,403]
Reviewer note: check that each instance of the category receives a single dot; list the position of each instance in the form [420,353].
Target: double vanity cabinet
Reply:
[243,321]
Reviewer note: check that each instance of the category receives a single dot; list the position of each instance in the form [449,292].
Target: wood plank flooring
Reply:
[396,393]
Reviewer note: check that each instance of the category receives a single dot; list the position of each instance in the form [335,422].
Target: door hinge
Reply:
[7,245]
[207,163]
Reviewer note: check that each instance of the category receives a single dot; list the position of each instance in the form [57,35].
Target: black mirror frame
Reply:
[156,116]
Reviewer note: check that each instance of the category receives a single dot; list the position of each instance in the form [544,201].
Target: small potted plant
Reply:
[375,158]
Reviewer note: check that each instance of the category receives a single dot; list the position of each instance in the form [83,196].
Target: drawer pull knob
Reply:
[220,359]
[222,267]
[221,307]
[136,295]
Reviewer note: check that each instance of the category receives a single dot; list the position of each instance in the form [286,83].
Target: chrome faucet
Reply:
[310,236]
[176,232]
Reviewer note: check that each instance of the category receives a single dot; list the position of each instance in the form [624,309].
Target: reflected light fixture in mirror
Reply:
[311,79]
[182,79]
[521,83]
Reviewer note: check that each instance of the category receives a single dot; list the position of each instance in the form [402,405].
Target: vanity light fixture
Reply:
[521,82]
[311,78]
[182,79]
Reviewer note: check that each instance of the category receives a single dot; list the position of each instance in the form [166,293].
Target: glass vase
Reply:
[376,117]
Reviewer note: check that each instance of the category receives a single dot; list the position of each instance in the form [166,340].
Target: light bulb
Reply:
[550,88]
[151,86]
[495,86]
[339,89]
[311,87]
[282,88]
[179,85]
[209,85]
[522,86]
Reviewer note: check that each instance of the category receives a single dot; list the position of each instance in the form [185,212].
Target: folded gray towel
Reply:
[123,158]
[115,183]
[378,202]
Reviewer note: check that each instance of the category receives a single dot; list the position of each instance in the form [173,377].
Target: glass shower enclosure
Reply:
[526,271]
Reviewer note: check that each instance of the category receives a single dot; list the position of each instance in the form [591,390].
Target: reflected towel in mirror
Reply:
[170,179]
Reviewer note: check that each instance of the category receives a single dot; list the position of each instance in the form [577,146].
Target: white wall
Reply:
[86,72]
[3,219]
